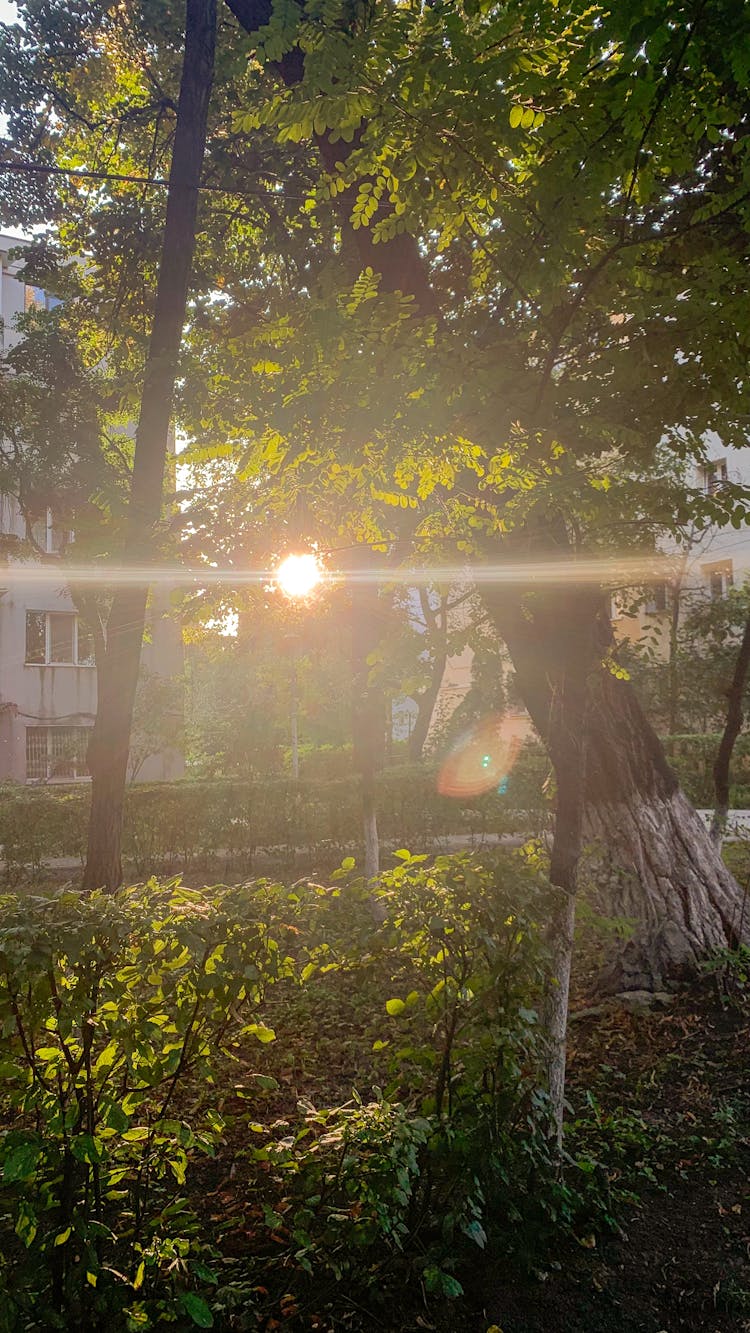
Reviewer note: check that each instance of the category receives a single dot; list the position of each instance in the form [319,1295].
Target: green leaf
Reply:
[265,1083]
[395,1007]
[20,1162]
[62,1236]
[198,1309]
[259,1031]
[116,1118]
[26,1223]
[515,117]
[87,1149]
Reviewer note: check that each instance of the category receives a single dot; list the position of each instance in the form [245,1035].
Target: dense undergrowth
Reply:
[264,1106]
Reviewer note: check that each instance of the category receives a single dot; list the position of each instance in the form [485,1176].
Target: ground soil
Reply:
[682,1260]
[676,1081]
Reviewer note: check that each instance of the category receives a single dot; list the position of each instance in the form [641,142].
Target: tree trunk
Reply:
[555,649]
[568,746]
[108,750]
[368,707]
[659,867]
[436,623]
[673,686]
[426,705]
[732,728]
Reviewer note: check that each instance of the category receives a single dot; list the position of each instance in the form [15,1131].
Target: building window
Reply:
[50,536]
[714,476]
[56,754]
[719,579]
[56,638]
[35,298]
[657,601]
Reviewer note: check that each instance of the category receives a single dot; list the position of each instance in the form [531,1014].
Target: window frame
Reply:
[38,298]
[79,772]
[714,475]
[719,577]
[75,660]
[51,530]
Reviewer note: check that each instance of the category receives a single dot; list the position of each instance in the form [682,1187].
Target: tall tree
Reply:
[607,251]
[117,676]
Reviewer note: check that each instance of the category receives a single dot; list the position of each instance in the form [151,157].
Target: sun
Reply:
[299,575]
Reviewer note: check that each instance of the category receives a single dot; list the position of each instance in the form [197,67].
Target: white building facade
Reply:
[47,671]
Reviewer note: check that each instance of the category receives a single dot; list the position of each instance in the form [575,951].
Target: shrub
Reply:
[113,1013]
[122,1021]
[693,759]
[456,1146]
[183,824]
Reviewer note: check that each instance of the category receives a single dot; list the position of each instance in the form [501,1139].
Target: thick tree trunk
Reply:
[117,680]
[732,728]
[659,867]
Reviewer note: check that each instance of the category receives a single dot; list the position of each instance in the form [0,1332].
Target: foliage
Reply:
[241,691]
[702,661]
[730,969]
[179,824]
[693,759]
[113,1011]
[158,719]
[455,1149]
[129,1024]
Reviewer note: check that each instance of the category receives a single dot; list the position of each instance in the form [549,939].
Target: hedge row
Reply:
[693,758]
[182,824]
[178,825]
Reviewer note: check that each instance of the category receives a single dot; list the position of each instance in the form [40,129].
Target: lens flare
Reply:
[299,575]
[483,757]
[609,571]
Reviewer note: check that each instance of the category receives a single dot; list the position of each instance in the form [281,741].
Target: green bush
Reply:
[129,1031]
[179,825]
[693,758]
[114,1011]
[456,1145]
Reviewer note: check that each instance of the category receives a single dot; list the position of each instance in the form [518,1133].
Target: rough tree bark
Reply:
[659,867]
[118,676]
[732,728]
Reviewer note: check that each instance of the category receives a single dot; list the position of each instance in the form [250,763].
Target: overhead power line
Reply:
[75,173]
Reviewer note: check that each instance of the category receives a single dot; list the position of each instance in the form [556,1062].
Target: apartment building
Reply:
[721,559]
[706,567]
[47,672]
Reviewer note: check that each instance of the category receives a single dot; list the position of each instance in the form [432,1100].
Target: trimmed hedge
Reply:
[179,825]
[692,758]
